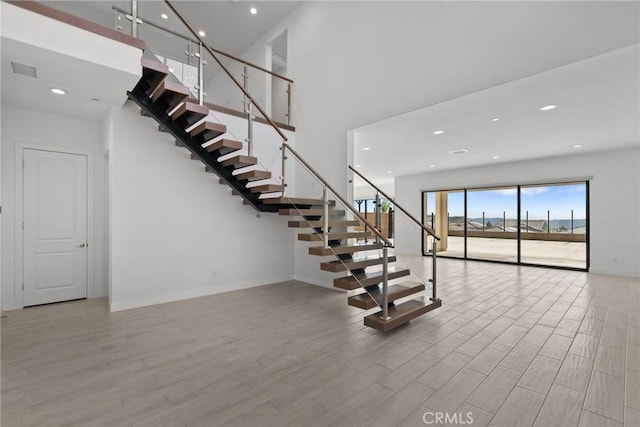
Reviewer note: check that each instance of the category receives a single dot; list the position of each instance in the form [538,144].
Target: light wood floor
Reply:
[510,346]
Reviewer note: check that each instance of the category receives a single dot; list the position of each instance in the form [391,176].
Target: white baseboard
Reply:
[129,303]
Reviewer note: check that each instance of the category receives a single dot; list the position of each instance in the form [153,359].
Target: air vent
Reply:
[25,70]
[460,151]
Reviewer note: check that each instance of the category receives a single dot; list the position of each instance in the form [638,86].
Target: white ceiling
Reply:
[92,88]
[228,25]
[597,107]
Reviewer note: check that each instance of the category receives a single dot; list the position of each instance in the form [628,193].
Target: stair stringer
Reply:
[196,149]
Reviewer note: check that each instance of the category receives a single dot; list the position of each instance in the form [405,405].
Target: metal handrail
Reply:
[344,202]
[187,38]
[429,230]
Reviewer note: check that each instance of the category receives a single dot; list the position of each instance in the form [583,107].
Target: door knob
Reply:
[82,245]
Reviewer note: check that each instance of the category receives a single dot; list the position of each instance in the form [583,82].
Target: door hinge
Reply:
[23,287]
[23,225]
[22,163]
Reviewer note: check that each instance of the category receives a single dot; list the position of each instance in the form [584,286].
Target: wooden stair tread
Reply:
[168,95]
[396,292]
[189,113]
[356,264]
[267,188]
[253,175]
[341,250]
[316,237]
[206,131]
[153,73]
[298,201]
[400,314]
[153,65]
[320,223]
[240,161]
[369,278]
[309,212]
[224,146]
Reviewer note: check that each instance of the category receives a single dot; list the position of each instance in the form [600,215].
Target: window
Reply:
[524,224]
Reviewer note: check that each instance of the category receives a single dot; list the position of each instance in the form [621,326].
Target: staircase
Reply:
[177,113]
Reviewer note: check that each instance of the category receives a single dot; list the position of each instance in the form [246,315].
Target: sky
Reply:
[558,199]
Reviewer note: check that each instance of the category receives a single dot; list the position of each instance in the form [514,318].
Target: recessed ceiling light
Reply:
[388,171]
[366,148]
[577,146]
[438,132]
[548,107]
[496,157]
[164,16]
[201,33]
[253,10]
[432,166]
[460,151]
[358,166]
[57,91]
[495,119]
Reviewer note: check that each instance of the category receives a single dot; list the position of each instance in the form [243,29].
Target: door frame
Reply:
[19,215]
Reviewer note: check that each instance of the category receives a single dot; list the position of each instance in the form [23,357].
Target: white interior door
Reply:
[55,226]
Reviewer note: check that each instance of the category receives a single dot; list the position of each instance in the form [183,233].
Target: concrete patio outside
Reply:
[542,252]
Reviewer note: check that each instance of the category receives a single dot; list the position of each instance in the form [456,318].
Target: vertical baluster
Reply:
[385,284]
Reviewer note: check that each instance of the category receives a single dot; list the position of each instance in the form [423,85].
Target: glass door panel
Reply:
[492,224]
[554,225]
[443,211]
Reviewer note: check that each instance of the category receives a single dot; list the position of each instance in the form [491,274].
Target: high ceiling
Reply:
[217,18]
[228,25]
[597,108]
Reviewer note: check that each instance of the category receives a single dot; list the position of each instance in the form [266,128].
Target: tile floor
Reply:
[510,346]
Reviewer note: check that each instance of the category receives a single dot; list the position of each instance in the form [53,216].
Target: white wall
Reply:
[614,200]
[175,232]
[21,127]
[354,63]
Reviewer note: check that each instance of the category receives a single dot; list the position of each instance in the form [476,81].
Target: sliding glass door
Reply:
[492,224]
[554,225]
[524,224]
[443,211]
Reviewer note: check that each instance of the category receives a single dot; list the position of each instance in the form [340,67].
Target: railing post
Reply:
[433,272]
[200,75]
[385,284]
[366,229]
[504,221]
[289,103]
[282,169]
[134,18]
[325,216]
[245,83]
[377,221]
[571,221]
[249,139]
